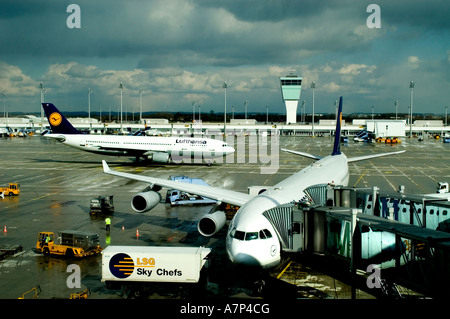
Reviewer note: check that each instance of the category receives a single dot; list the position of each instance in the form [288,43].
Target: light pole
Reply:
[225,86]
[41,87]
[140,105]
[89,104]
[445,116]
[411,86]
[313,86]
[396,108]
[121,89]
[245,106]
[303,111]
[4,107]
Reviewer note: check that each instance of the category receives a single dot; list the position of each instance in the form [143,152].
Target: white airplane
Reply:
[252,239]
[154,148]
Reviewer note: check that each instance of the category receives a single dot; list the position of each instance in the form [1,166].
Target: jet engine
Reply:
[145,201]
[160,157]
[211,223]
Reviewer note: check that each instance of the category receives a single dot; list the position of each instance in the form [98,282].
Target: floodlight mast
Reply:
[121,91]
[411,87]
[225,86]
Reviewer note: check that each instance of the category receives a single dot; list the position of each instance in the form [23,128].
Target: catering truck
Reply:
[153,264]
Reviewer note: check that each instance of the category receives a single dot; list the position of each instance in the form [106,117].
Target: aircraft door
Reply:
[297,231]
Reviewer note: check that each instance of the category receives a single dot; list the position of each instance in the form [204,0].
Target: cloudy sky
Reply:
[178,51]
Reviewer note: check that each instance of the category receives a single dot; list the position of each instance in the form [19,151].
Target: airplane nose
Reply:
[247,260]
[229,150]
[237,256]
[247,255]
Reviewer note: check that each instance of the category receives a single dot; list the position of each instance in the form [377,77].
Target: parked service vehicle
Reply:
[11,189]
[70,243]
[176,197]
[102,205]
[145,264]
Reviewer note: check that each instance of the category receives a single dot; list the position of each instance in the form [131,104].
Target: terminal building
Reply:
[291,86]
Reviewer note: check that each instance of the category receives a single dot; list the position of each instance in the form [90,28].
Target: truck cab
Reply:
[442,188]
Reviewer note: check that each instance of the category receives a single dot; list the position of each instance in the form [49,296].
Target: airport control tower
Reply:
[291,86]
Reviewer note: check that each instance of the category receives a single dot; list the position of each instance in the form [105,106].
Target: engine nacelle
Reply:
[145,201]
[160,157]
[211,223]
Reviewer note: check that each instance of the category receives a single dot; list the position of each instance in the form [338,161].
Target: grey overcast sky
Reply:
[178,51]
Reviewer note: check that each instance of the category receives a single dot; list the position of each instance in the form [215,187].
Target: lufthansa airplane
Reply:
[154,148]
[252,239]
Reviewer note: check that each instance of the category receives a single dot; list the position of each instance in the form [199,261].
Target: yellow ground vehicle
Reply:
[11,189]
[68,243]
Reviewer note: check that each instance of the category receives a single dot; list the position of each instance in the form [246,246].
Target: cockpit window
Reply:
[267,233]
[251,236]
[239,235]
[262,234]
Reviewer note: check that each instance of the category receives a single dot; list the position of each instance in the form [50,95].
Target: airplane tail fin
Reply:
[58,122]
[337,136]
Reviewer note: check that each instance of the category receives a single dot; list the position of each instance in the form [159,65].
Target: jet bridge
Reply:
[409,250]
[420,257]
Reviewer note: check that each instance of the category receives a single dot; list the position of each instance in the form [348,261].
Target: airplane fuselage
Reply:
[178,148]
[251,238]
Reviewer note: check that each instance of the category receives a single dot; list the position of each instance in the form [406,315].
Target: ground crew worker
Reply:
[108,223]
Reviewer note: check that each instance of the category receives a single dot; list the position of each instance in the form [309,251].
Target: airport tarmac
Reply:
[57,183]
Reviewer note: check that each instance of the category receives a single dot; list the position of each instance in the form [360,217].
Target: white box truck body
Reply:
[153,263]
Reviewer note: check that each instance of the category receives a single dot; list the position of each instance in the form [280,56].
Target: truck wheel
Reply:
[69,253]
[11,193]
[46,251]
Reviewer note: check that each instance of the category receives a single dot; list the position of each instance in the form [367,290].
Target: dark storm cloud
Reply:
[183,50]
[424,15]
[232,33]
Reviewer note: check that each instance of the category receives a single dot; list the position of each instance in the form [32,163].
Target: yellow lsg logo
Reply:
[55,118]
[146,262]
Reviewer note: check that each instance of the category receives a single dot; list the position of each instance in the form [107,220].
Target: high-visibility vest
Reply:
[108,221]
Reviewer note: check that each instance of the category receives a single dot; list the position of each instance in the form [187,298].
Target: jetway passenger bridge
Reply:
[394,235]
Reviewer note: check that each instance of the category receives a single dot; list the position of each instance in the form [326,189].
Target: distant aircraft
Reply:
[154,148]
[252,239]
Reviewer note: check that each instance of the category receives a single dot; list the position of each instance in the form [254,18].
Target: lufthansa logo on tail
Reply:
[121,265]
[55,118]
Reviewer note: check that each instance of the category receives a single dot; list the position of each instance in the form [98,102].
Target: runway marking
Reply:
[360,177]
[34,199]
[285,268]
[381,174]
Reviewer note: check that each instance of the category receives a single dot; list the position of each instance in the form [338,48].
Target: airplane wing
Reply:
[316,157]
[349,160]
[219,194]
[365,157]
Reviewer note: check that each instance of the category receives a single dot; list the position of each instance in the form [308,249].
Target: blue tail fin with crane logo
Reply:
[337,136]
